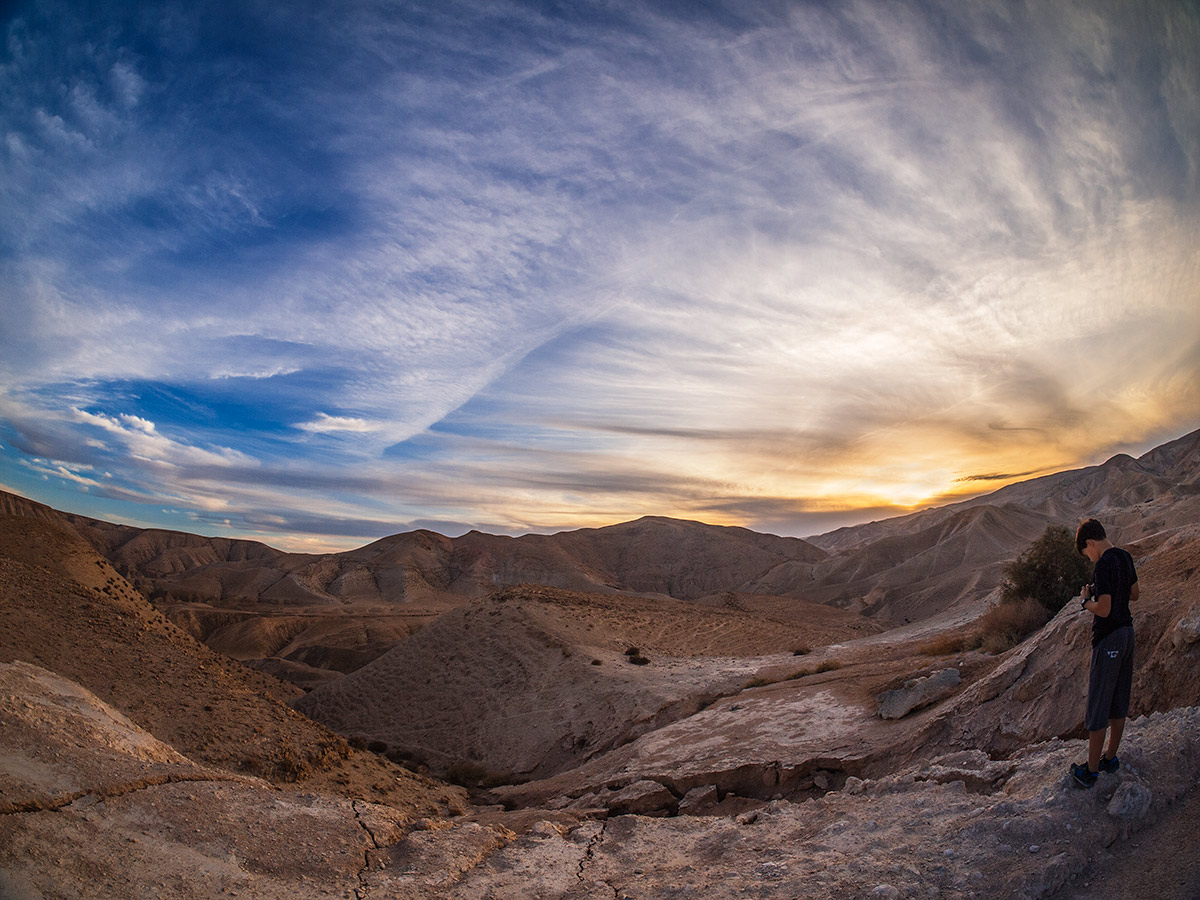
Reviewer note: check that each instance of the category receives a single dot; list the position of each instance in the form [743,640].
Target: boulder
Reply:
[643,798]
[699,799]
[1186,631]
[1131,801]
[917,693]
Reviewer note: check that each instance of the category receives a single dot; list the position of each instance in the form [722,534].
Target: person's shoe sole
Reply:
[1083,777]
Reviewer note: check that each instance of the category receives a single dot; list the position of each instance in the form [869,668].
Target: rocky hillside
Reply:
[312,618]
[745,714]
[93,807]
[536,680]
[65,608]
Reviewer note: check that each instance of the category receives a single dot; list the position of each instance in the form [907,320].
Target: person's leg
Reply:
[1099,701]
[1116,728]
[1120,701]
[1095,748]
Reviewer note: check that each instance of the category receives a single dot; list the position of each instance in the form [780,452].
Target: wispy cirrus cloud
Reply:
[517,267]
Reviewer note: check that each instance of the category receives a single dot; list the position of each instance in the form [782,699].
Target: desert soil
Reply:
[1160,861]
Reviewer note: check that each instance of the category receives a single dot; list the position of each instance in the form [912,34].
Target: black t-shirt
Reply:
[1115,575]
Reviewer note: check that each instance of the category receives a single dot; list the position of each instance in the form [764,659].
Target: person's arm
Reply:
[1133,592]
[1100,606]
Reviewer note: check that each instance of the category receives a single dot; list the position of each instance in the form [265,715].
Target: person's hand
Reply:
[1086,592]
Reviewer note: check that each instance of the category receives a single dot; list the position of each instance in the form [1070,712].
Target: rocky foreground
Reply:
[93,806]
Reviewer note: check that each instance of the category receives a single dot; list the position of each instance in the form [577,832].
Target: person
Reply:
[1110,678]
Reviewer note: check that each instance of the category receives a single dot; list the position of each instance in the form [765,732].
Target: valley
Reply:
[659,708]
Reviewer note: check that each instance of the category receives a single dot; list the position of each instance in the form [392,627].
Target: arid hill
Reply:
[740,714]
[536,680]
[65,608]
[312,618]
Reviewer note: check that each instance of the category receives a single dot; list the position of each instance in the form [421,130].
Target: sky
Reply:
[315,273]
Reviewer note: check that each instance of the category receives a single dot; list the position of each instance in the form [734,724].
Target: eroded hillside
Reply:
[740,713]
[64,607]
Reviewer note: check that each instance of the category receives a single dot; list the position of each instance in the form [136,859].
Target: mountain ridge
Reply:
[257,603]
[617,742]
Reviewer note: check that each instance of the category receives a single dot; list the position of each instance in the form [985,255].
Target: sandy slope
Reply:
[63,607]
[536,679]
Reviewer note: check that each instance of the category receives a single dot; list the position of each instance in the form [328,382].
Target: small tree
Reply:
[1050,571]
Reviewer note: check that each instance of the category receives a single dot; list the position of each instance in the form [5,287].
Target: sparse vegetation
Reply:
[474,775]
[1037,584]
[830,665]
[1050,571]
[1010,622]
[635,656]
[949,644]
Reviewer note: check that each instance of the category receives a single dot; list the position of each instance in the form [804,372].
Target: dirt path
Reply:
[1160,862]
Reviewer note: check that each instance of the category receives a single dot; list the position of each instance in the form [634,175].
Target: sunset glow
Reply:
[323,276]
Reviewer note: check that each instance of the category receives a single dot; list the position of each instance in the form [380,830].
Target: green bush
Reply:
[1051,571]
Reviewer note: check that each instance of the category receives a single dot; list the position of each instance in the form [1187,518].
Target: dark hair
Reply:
[1089,530]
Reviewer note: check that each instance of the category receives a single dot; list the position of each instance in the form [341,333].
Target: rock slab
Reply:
[917,693]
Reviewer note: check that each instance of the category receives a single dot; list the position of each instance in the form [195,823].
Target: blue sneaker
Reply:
[1110,765]
[1084,777]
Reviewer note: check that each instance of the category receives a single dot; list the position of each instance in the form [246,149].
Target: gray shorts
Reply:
[1110,679]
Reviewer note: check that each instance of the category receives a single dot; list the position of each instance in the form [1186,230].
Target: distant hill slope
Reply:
[910,567]
[653,555]
[1170,471]
[65,608]
[311,616]
[558,659]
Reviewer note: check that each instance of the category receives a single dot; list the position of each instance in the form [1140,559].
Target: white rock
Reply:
[918,692]
[1186,630]
[1130,801]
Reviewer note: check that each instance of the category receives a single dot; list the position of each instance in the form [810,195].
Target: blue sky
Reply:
[316,273]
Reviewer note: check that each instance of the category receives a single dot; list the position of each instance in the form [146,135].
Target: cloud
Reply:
[52,468]
[327,424]
[142,441]
[536,268]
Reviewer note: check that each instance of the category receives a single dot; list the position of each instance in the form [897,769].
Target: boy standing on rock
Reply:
[1114,586]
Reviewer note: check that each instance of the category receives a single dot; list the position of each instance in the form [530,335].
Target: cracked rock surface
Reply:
[98,808]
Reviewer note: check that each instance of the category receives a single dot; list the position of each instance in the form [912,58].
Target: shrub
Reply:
[1050,571]
[638,660]
[1010,622]
[948,644]
[830,665]
[633,651]
[473,775]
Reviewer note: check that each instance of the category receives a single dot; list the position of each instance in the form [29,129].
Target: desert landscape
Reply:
[657,709]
